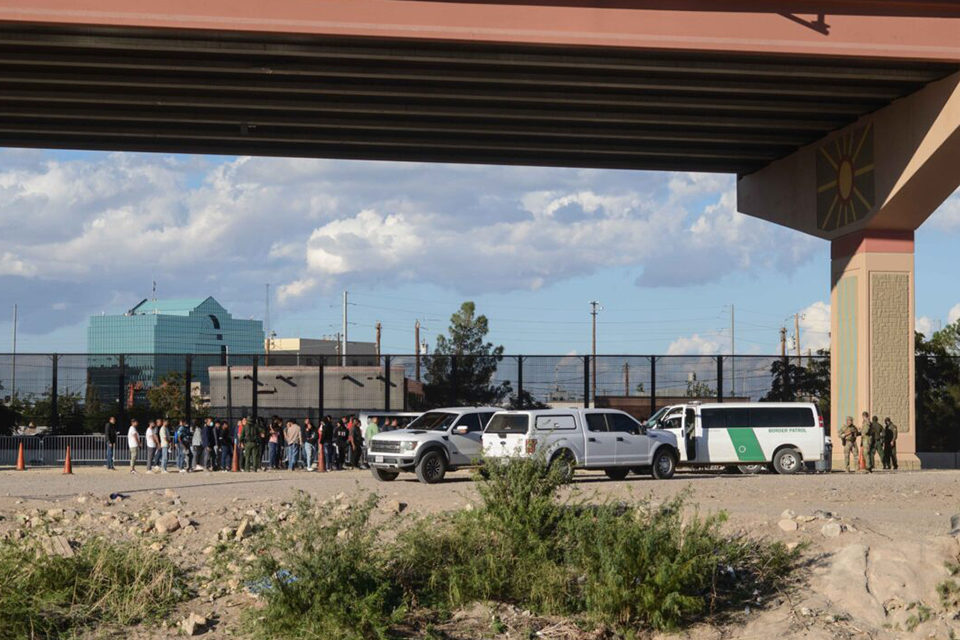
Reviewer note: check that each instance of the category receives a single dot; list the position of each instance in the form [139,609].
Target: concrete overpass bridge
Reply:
[841,118]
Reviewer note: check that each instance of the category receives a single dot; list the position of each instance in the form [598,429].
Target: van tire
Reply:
[383,475]
[565,462]
[616,473]
[750,469]
[432,467]
[787,461]
[664,463]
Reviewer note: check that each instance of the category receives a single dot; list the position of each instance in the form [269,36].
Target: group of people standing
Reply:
[210,446]
[875,440]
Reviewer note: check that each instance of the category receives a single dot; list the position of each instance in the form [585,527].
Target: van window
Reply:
[471,421]
[782,417]
[757,418]
[622,423]
[504,423]
[556,423]
[485,417]
[596,422]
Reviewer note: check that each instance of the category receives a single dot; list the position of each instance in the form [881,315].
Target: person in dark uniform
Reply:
[110,434]
[889,457]
[340,438]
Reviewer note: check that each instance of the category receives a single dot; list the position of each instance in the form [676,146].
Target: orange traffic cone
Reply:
[862,463]
[235,465]
[67,467]
[20,464]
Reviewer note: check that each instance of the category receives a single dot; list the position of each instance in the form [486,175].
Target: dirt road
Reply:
[877,543]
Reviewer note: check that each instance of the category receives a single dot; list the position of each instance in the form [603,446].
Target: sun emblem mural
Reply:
[845,189]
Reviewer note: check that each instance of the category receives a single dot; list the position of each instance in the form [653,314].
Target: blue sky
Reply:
[666,254]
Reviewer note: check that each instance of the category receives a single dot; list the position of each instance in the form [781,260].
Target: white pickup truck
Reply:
[604,439]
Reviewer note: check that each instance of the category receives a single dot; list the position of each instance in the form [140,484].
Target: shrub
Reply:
[630,566]
[48,596]
[324,576]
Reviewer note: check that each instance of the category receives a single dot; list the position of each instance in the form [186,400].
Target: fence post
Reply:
[253,386]
[121,396]
[719,378]
[187,380]
[320,411]
[386,383]
[653,385]
[586,382]
[455,377]
[520,382]
[229,396]
[54,396]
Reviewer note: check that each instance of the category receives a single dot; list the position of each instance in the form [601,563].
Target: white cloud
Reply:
[924,325]
[947,216]
[954,314]
[116,222]
[694,345]
[815,326]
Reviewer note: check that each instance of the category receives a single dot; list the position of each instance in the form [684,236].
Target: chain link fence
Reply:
[72,394]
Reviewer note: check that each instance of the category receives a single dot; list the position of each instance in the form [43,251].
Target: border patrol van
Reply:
[747,436]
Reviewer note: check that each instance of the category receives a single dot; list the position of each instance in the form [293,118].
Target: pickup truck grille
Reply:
[385,446]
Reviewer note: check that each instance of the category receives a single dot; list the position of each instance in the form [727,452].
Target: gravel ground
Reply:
[890,553]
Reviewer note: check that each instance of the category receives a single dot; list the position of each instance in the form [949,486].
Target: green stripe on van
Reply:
[746,445]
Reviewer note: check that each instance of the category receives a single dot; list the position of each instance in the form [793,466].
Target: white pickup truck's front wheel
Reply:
[664,464]
[432,467]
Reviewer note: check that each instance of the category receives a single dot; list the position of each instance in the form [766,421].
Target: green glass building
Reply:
[155,336]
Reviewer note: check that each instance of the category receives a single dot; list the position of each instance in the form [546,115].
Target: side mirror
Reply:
[461,430]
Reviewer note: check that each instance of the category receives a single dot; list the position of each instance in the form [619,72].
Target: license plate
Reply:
[379,458]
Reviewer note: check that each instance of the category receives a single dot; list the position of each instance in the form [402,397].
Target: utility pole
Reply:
[626,378]
[796,329]
[343,350]
[13,383]
[733,351]
[594,306]
[266,310]
[378,327]
[416,341]
[783,342]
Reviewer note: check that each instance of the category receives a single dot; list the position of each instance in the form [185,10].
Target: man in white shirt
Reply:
[133,441]
[151,438]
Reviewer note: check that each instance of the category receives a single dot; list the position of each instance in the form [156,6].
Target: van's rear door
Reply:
[506,435]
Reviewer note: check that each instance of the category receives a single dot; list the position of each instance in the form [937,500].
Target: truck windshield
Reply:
[651,422]
[433,421]
[504,423]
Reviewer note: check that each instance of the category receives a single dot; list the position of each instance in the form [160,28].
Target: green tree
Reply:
[37,409]
[460,370]
[793,382]
[8,420]
[698,389]
[524,400]
[166,398]
[938,390]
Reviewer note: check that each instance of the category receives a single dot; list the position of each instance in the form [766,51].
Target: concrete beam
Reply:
[856,28]
[889,170]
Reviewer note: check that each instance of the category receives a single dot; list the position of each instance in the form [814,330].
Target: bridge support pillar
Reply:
[871,337]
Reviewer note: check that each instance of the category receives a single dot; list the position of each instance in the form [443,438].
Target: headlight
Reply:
[408,445]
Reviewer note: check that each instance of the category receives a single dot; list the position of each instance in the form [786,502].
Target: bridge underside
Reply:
[137,89]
